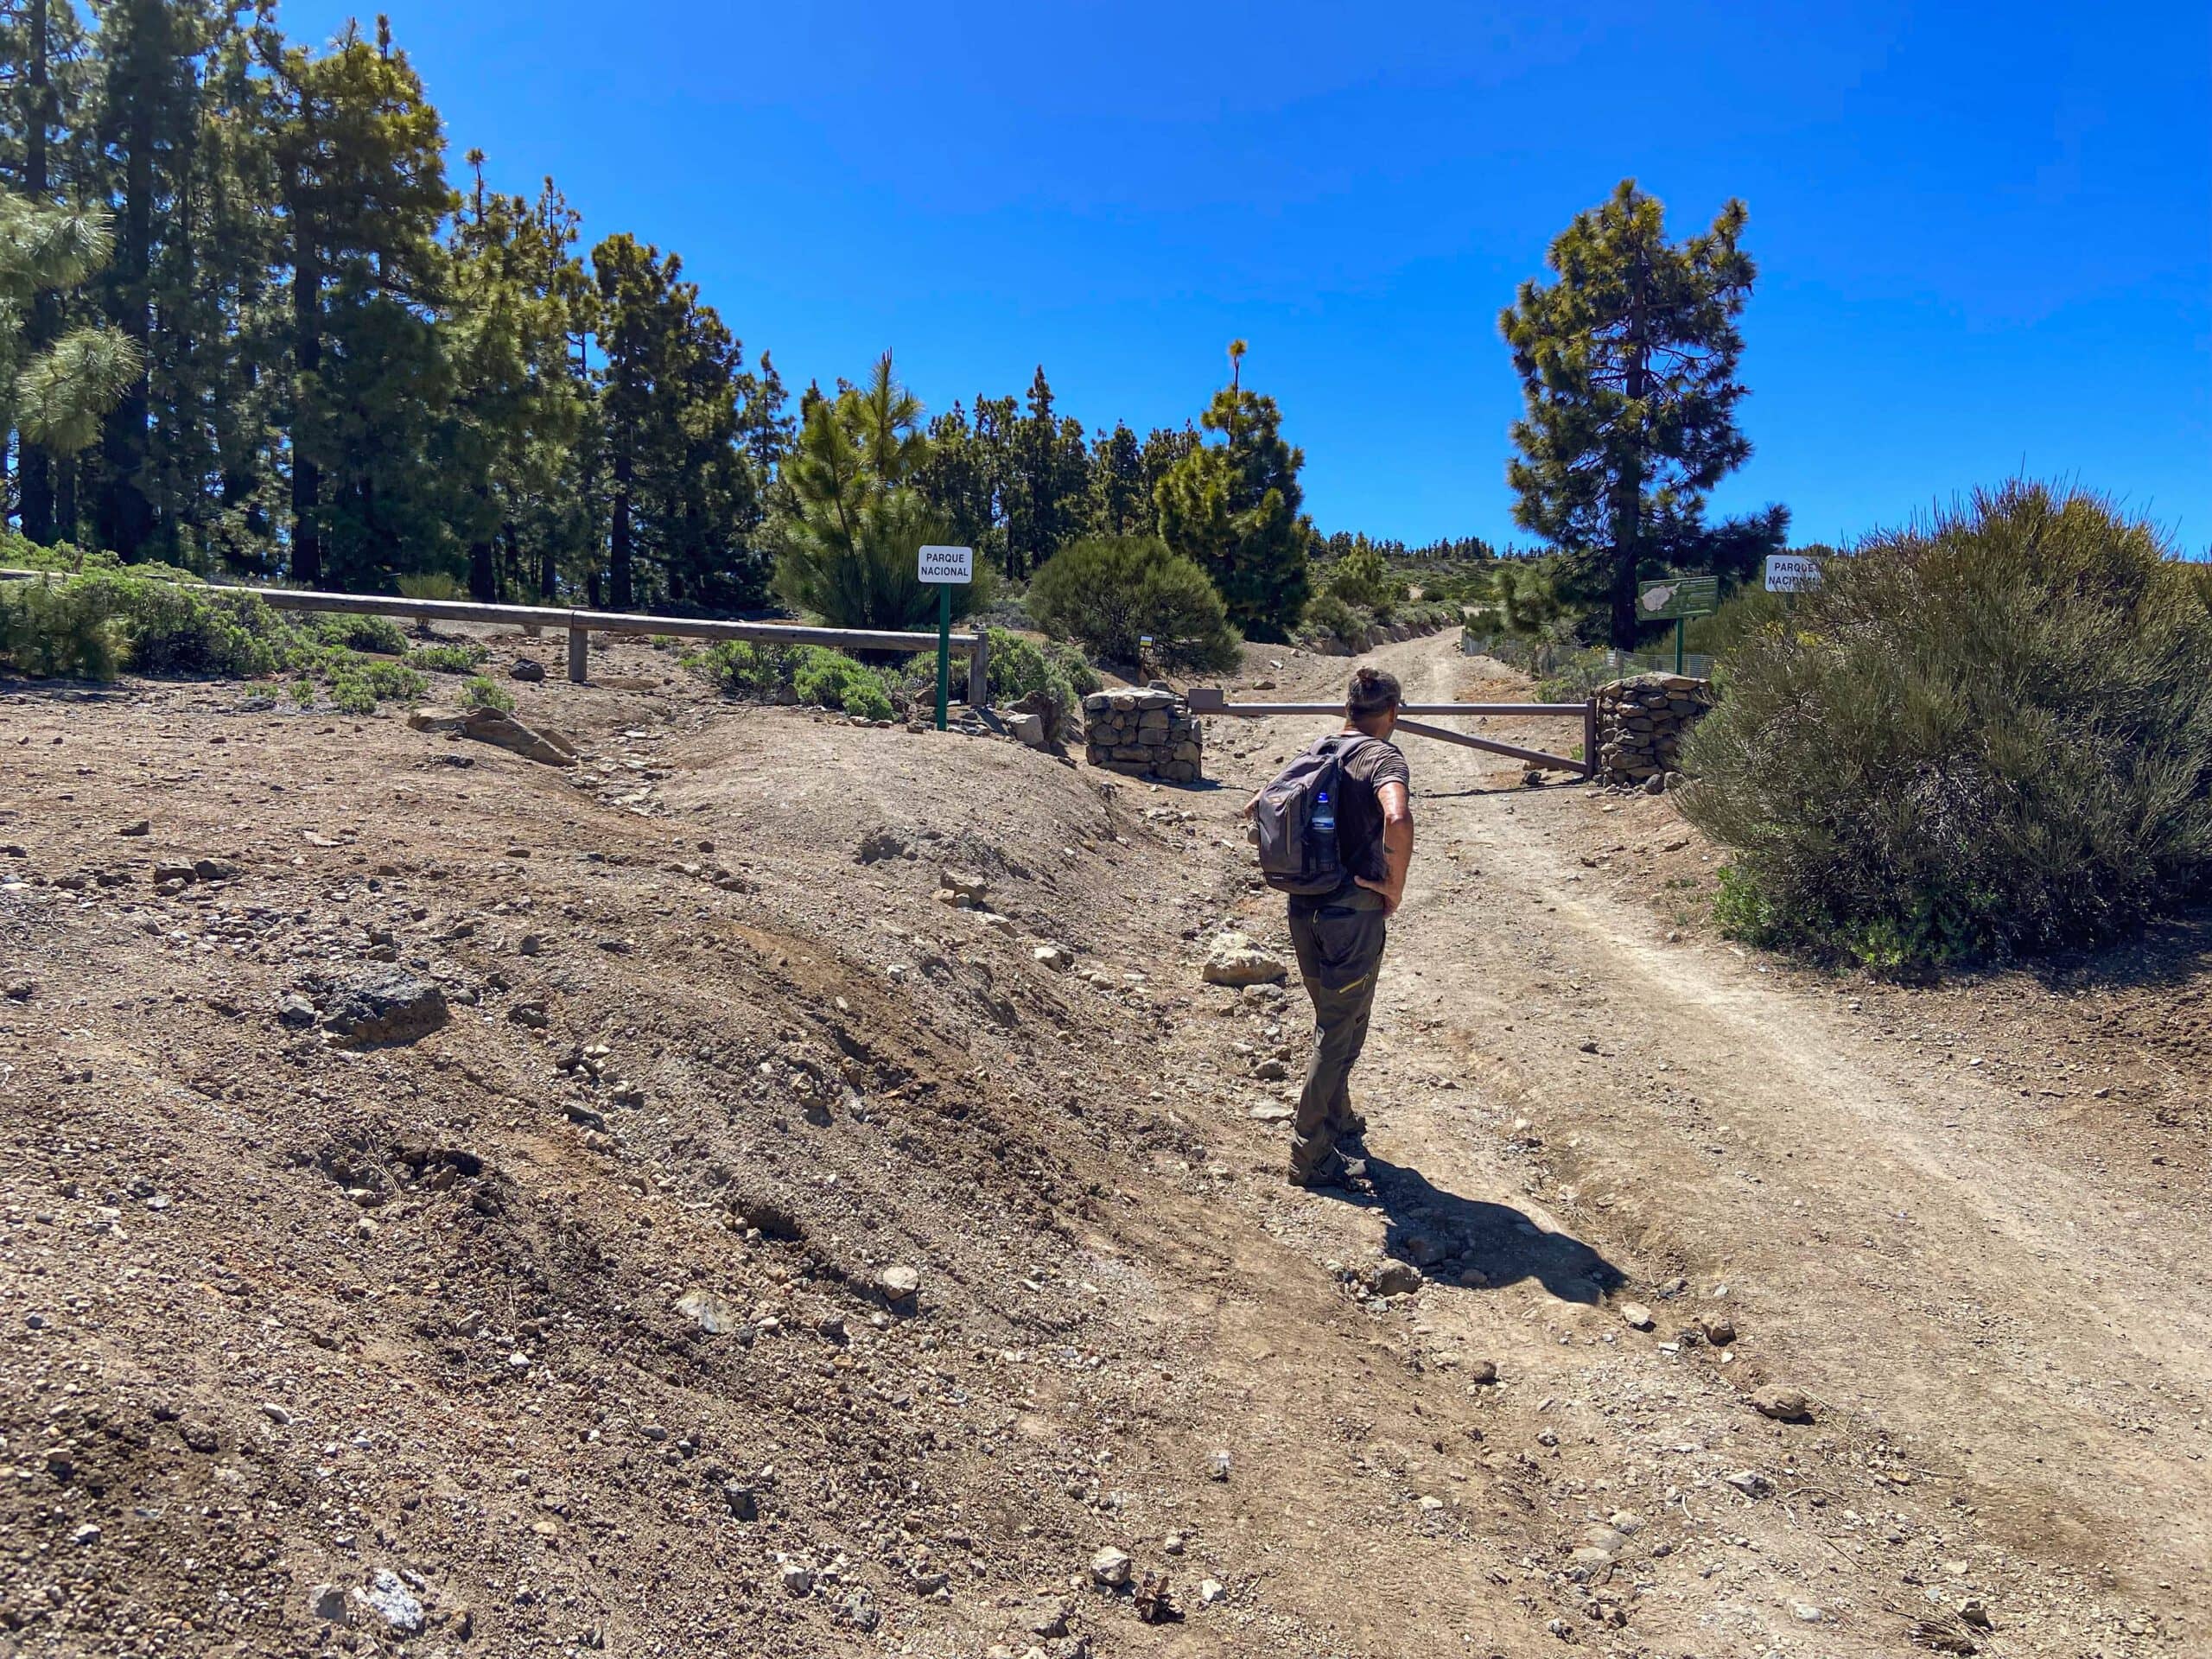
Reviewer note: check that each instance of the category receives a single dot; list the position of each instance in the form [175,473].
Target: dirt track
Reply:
[2004,1335]
[1964,1221]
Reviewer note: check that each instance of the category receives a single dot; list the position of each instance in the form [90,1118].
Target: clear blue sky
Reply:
[1985,240]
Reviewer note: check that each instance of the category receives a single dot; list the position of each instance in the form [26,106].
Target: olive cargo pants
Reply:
[1338,937]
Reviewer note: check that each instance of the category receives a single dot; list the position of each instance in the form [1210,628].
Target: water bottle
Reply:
[1325,821]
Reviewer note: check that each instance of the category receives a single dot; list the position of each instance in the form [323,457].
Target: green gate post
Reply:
[1678,646]
[944,652]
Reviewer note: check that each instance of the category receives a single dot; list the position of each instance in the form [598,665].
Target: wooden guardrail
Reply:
[582,625]
[1213,700]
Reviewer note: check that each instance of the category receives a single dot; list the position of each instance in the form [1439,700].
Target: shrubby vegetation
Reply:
[741,668]
[1023,669]
[95,625]
[1110,592]
[451,659]
[1985,735]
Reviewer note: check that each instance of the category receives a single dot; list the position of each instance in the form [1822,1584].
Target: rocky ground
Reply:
[781,1187]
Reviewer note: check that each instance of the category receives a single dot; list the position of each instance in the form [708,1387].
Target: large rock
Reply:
[379,1004]
[1233,959]
[499,729]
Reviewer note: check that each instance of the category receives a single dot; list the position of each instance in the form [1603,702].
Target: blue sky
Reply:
[1985,234]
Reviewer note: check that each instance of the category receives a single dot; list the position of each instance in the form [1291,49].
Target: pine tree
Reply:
[684,494]
[1628,367]
[1047,481]
[1119,503]
[1233,509]
[360,166]
[857,518]
[519,295]
[48,145]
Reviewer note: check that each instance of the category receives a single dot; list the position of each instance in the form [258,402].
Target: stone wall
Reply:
[1641,723]
[1149,733]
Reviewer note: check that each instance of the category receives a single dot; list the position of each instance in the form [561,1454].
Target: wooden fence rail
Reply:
[582,625]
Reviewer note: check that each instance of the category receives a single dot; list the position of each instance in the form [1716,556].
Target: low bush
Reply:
[1023,668]
[94,624]
[482,693]
[1112,591]
[60,630]
[433,584]
[835,681]
[448,659]
[1363,579]
[1990,733]
[374,634]
[741,668]
[1330,620]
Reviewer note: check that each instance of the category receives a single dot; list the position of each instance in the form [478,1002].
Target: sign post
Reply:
[1680,598]
[946,569]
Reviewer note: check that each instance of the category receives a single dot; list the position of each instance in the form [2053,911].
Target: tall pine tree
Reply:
[1233,509]
[361,173]
[1628,368]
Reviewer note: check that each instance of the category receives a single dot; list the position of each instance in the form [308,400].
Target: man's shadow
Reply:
[1445,1235]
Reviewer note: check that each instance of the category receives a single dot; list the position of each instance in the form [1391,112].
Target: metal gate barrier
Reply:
[1213,700]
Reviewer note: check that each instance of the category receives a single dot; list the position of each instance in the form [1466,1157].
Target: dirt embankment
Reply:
[467,1204]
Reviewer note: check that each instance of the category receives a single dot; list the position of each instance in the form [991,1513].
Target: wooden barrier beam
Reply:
[582,624]
[1534,757]
[1210,700]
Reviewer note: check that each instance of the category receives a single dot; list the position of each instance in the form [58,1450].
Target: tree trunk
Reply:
[306,355]
[1628,487]
[123,516]
[66,518]
[617,541]
[33,467]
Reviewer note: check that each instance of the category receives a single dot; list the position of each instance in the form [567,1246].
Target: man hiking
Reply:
[1336,832]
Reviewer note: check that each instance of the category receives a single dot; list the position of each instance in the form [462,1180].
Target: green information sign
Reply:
[1673,598]
[1676,599]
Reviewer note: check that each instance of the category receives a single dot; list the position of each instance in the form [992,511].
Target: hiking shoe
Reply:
[1343,1174]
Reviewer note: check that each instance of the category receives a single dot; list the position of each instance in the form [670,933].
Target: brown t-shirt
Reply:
[1369,763]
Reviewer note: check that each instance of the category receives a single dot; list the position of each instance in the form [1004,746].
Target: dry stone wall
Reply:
[1641,725]
[1150,733]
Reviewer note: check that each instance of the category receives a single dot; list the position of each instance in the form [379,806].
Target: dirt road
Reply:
[2004,1345]
[568,1319]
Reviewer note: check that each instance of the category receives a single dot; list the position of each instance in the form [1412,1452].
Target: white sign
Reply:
[947,564]
[1791,573]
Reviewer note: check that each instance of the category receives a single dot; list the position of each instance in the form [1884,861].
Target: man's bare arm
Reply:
[1397,845]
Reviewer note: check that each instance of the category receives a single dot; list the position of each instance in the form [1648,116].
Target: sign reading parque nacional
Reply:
[947,564]
[1791,573]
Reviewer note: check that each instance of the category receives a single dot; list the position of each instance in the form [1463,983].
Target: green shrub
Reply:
[1329,619]
[835,681]
[1361,580]
[60,630]
[1022,667]
[1110,591]
[433,584]
[868,698]
[741,668]
[482,693]
[95,623]
[448,659]
[377,634]
[1987,734]
[19,552]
